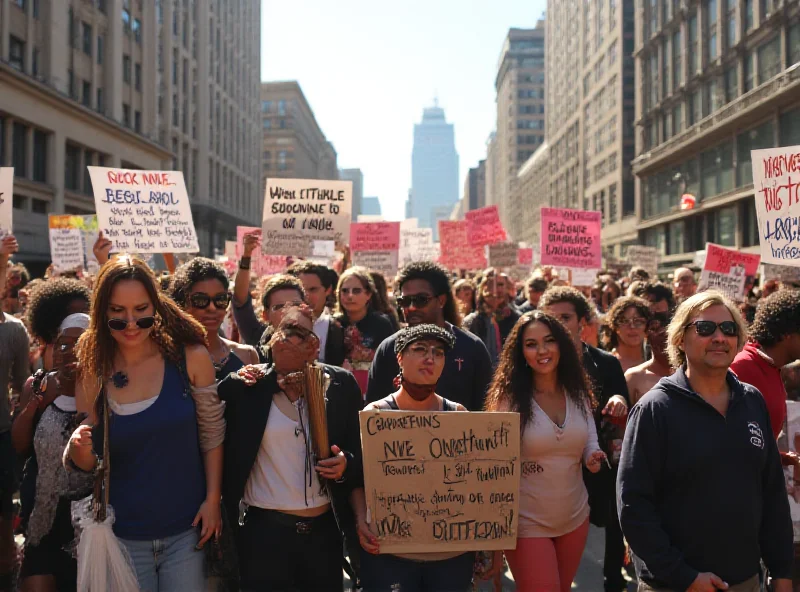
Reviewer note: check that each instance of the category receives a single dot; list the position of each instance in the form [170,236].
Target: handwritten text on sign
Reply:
[260,264]
[456,252]
[416,244]
[728,271]
[484,227]
[441,481]
[503,254]
[6,199]
[776,180]
[571,238]
[299,211]
[144,211]
[375,236]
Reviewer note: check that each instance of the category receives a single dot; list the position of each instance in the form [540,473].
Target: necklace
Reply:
[120,379]
[221,364]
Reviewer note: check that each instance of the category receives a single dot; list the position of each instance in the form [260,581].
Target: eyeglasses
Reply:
[708,328]
[353,291]
[122,324]
[417,301]
[290,304]
[637,323]
[201,300]
[421,351]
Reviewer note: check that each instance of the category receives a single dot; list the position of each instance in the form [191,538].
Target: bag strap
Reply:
[184,372]
[102,479]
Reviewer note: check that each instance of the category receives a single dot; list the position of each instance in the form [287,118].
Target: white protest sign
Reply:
[645,257]
[89,233]
[325,249]
[583,277]
[383,261]
[66,243]
[415,244]
[502,254]
[6,200]
[299,211]
[776,183]
[144,211]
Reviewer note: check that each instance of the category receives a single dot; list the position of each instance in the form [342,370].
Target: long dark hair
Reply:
[513,384]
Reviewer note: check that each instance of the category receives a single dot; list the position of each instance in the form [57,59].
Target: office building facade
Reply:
[357,178]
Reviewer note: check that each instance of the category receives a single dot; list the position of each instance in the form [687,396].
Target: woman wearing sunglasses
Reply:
[200,287]
[146,359]
[364,327]
[626,324]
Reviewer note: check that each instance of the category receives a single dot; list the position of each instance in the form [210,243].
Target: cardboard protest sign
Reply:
[484,227]
[776,181]
[260,264]
[456,251]
[299,211]
[323,249]
[782,273]
[645,257]
[375,245]
[728,271]
[6,200]
[144,211]
[582,278]
[441,481]
[502,254]
[66,243]
[416,244]
[571,238]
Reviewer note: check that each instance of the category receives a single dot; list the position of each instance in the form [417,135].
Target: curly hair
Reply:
[439,280]
[558,294]
[278,282]
[173,330]
[197,270]
[658,292]
[777,316]
[617,312]
[514,381]
[49,306]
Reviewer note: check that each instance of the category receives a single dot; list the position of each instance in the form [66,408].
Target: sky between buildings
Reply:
[368,67]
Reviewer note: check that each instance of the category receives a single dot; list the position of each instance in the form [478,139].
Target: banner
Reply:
[144,211]
[484,227]
[571,238]
[298,211]
[456,251]
[502,254]
[260,264]
[416,244]
[6,200]
[438,482]
[66,243]
[776,182]
[728,271]
[645,257]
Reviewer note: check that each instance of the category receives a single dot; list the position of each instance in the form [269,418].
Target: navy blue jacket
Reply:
[701,492]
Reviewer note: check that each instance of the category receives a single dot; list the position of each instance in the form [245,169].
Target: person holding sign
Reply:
[541,377]
[420,352]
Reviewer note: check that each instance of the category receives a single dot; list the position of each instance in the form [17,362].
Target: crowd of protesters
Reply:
[646,408]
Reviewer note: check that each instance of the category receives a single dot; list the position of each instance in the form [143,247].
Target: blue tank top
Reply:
[157,475]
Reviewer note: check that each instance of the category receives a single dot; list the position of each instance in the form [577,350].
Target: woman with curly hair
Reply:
[541,377]
[626,324]
[146,359]
[200,287]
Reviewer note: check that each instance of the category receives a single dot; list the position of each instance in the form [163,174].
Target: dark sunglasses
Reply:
[417,301]
[122,324]
[200,300]
[708,328]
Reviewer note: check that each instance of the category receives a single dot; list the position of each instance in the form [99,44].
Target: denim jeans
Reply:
[389,573]
[751,585]
[170,564]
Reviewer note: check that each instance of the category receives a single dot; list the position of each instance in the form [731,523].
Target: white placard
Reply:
[382,261]
[323,249]
[416,244]
[66,248]
[776,184]
[583,277]
[144,211]
[6,200]
[645,257]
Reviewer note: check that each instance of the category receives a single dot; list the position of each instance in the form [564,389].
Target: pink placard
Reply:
[456,252]
[525,256]
[484,227]
[375,236]
[571,238]
[260,263]
[729,271]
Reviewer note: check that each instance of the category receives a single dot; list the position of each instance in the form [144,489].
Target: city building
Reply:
[371,206]
[590,113]
[718,79]
[148,85]
[434,170]
[531,193]
[520,86]
[475,187]
[491,170]
[294,145]
[357,177]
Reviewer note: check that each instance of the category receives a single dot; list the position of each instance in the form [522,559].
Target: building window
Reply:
[282,160]
[137,30]
[86,96]
[137,76]
[712,96]
[88,160]
[769,59]
[677,119]
[677,58]
[281,107]
[266,106]
[754,139]
[100,105]
[19,149]
[126,114]
[175,66]
[790,128]
[71,83]
[723,224]
[747,9]
[137,121]
[100,43]
[72,165]
[175,110]
[35,59]
[716,170]
[676,237]
[749,72]
[86,29]
[794,43]
[16,53]
[693,61]
[711,30]
[731,18]
[101,6]
[126,16]
[38,206]
[731,83]
[126,69]
[268,124]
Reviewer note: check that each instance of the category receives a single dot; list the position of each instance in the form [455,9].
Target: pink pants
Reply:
[548,565]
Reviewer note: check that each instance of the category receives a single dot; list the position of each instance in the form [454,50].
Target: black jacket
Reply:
[246,412]
[699,492]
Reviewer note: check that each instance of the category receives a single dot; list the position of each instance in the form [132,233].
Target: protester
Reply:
[141,356]
[365,328]
[702,496]
[482,322]
[287,536]
[381,299]
[542,378]
[683,284]
[660,297]
[640,379]
[627,321]
[506,314]
[426,297]
[534,289]
[421,351]
[464,291]
[17,277]
[607,380]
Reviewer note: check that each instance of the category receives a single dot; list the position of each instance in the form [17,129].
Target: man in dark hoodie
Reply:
[702,498]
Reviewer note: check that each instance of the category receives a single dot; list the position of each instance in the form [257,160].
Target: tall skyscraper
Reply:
[717,80]
[357,177]
[162,84]
[371,206]
[434,170]
[475,187]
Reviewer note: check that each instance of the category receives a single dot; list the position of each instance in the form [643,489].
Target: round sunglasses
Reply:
[200,300]
[708,328]
[122,324]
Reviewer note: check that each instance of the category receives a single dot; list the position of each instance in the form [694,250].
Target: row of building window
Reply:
[283,158]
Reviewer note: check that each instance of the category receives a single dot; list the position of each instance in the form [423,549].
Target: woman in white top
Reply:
[541,376]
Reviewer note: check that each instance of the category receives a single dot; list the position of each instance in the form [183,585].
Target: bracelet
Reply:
[244,263]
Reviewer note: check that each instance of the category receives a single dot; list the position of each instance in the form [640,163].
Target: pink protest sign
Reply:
[484,227]
[260,263]
[456,251]
[729,271]
[375,236]
[571,238]
[525,256]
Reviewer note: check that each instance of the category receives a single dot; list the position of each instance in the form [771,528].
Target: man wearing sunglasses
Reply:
[426,296]
[702,496]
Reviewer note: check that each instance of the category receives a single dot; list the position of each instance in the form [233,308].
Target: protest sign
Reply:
[299,211]
[375,245]
[260,264]
[728,271]
[144,211]
[89,232]
[6,200]
[66,243]
[525,256]
[502,254]
[456,251]
[776,182]
[484,227]
[441,481]
[230,250]
[383,261]
[571,238]
[323,249]
[782,273]
[699,259]
[790,442]
[416,244]
[583,277]
[645,257]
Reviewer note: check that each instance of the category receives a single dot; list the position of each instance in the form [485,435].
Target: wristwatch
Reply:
[244,263]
